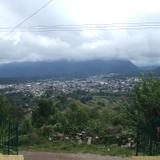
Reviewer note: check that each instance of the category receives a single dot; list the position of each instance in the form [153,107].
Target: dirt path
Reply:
[63,156]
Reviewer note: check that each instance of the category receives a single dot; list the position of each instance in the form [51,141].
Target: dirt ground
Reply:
[64,156]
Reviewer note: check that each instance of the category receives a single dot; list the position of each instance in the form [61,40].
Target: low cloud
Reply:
[139,46]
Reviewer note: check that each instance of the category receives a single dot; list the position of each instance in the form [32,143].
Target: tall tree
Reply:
[42,114]
[147,104]
[4,108]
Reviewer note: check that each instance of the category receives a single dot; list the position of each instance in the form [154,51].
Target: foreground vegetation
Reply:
[85,123]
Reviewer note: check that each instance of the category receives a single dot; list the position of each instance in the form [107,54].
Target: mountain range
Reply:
[64,68]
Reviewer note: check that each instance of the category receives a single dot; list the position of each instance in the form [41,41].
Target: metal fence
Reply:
[148,146]
[148,140]
[8,137]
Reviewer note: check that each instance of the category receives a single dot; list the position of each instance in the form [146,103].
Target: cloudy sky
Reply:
[139,44]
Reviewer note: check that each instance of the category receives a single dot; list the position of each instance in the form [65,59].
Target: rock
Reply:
[89,141]
[67,138]
[60,136]
[50,139]
[80,142]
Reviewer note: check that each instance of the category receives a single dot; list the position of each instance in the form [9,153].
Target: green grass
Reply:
[68,147]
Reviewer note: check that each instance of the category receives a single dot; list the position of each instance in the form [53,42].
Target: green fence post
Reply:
[17,138]
[9,136]
[137,141]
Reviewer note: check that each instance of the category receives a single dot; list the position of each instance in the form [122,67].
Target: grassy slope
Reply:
[75,148]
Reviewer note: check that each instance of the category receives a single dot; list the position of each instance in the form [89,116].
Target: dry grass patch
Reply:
[11,157]
[146,158]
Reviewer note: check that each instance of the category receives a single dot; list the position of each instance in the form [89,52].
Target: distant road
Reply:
[65,156]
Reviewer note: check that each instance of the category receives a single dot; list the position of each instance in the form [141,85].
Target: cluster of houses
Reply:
[94,84]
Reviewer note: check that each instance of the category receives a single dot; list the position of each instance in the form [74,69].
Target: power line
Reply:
[29,17]
[82,27]
[90,25]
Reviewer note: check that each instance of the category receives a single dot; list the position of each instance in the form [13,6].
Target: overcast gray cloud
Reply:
[139,46]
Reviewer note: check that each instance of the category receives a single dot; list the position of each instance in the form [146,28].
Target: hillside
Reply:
[67,68]
[156,71]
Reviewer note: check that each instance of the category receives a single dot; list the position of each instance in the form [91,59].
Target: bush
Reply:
[27,126]
[30,139]
[108,140]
